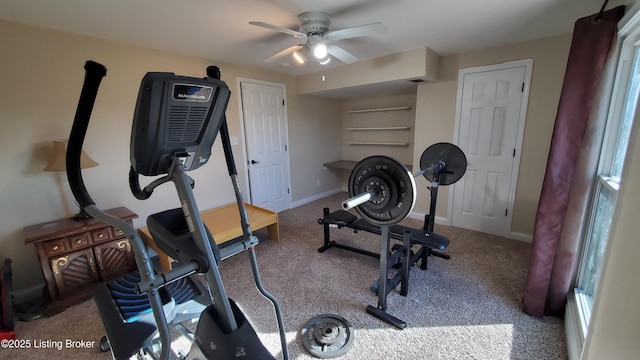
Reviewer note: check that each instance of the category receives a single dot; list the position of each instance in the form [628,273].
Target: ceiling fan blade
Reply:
[357,31]
[277,28]
[284,52]
[341,54]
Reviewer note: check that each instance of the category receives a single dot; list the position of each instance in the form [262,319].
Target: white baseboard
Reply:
[445,221]
[309,199]
[519,236]
[438,220]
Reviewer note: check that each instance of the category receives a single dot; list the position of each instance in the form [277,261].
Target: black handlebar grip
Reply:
[226,146]
[93,76]
[214,72]
[134,185]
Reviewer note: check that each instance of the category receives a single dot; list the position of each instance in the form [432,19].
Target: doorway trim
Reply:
[243,136]
[528,65]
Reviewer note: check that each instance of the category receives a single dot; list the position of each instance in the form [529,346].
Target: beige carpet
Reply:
[467,307]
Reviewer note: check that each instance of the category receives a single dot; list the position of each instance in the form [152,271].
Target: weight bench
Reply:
[383,192]
[341,218]
[400,256]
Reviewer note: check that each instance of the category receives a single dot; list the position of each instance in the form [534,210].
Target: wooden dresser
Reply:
[76,255]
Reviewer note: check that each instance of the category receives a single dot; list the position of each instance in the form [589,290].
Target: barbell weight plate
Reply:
[450,156]
[327,336]
[397,189]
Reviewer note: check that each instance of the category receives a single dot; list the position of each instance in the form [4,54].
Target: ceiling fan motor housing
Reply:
[314,22]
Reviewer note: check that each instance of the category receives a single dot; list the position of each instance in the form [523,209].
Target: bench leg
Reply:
[165,260]
[406,263]
[380,311]
[273,231]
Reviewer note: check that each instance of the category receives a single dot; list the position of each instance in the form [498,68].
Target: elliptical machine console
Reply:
[175,124]
[176,114]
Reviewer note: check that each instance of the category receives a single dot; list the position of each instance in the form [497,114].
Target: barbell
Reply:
[383,191]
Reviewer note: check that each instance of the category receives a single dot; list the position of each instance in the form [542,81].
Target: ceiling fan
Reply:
[315,27]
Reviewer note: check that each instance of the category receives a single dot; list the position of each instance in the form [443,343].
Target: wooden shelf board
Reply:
[379,109]
[378,143]
[379,128]
[349,164]
[341,164]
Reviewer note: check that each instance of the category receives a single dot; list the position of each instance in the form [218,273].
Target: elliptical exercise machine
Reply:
[175,124]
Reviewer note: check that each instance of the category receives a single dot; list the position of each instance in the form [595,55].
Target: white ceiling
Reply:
[219,29]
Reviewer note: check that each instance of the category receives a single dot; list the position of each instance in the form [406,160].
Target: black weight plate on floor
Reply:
[397,189]
[451,158]
[327,336]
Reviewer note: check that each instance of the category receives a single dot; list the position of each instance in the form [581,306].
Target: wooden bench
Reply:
[224,224]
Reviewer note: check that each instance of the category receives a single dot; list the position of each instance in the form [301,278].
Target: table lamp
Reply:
[58,161]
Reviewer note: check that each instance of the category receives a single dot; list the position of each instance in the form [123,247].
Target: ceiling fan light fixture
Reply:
[325,60]
[315,26]
[320,50]
[297,56]
[300,56]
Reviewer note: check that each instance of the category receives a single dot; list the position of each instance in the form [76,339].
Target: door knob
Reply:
[253,162]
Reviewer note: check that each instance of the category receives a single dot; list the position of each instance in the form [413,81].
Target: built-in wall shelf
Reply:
[380,109]
[341,164]
[349,165]
[379,128]
[382,125]
[378,143]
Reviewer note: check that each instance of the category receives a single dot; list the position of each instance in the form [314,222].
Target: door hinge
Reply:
[285,148]
[520,90]
[287,190]
[514,152]
[506,211]
[282,102]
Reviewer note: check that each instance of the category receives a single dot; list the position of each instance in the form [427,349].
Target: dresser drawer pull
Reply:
[100,235]
[55,247]
[78,241]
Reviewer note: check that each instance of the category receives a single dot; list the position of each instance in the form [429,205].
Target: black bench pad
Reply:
[340,218]
[418,236]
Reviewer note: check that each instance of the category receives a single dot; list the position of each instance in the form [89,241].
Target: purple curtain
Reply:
[567,180]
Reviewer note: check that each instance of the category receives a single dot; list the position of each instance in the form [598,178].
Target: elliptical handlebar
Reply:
[93,76]
[134,185]
[94,72]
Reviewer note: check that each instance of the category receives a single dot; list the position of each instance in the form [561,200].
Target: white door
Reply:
[267,145]
[489,122]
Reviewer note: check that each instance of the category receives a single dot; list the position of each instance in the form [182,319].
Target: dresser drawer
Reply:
[100,235]
[55,247]
[116,232]
[78,241]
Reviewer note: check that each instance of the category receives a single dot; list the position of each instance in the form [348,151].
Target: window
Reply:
[620,118]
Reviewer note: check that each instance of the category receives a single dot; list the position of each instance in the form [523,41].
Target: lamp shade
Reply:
[58,159]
